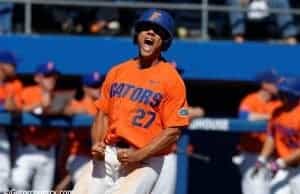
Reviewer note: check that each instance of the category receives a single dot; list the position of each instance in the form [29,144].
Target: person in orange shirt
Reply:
[35,160]
[10,85]
[84,103]
[141,111]
[79,139]
[255,106]
[284,139]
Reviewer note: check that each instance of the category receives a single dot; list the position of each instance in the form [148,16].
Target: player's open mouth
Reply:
[148,41]
[148,44]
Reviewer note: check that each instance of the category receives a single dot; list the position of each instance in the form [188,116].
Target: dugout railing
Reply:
[204,124]
[204,7]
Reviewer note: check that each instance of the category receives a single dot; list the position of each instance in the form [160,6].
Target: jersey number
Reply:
[142,114]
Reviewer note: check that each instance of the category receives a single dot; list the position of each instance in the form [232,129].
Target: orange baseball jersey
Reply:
[80,138]
[285,130]
[40,136]
[86,104]
[140,103]
[10,89]
[253,103]
[31,95]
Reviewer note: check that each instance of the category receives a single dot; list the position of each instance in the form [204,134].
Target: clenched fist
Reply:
[98,151]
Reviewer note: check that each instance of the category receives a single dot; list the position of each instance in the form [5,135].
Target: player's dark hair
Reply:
[79,93]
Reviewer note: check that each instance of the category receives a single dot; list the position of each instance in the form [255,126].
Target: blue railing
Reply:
[205,124]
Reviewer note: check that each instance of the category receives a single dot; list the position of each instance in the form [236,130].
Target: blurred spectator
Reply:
[258,11]
[35,160]
[9,87]
[6,12]
[79,139]
[106,21]
[101,20]
[188,23]
[256,106]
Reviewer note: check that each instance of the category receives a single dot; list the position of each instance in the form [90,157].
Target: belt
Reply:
[123,144]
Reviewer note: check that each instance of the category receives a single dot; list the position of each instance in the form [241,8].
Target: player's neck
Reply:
[146,62]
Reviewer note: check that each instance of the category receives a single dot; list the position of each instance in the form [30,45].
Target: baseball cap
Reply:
[47,69]
[8,58]
[269,76]
[92,80]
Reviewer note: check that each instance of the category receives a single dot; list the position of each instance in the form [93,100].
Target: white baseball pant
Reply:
[286,181]
[5,161]
[108,176]
[33,164]
[166,182]
[258,184]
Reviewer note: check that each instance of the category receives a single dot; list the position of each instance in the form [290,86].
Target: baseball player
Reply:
[79,139]
[35,160]
[85,104]
[256,106]
[284,138]
[9,87]
[141,111]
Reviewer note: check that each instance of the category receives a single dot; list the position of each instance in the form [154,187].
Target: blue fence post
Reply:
[182,165]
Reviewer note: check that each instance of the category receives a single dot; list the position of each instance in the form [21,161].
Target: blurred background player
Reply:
[9,87]
[79,139]
[83,103]
[35,160]
[10,84]
[258,105]
[284,139]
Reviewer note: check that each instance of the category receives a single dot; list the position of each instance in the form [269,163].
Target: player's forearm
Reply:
[99,127]
[10,104]
[196,112]
[293,159]
[268,147]
[68,111]
[166,139]
[258,116]
[30,107]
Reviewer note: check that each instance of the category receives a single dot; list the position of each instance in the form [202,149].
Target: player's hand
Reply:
[275,166]
[98,150]
[129,156]
[259,164]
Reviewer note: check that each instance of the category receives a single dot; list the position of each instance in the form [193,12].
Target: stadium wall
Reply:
[200,60]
